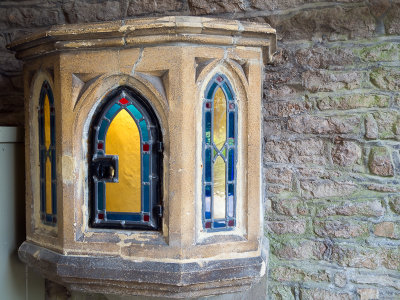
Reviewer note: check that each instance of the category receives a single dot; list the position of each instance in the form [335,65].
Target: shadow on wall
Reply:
[16,280]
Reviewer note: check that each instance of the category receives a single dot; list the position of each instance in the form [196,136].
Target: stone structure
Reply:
[169,61]
[331,159]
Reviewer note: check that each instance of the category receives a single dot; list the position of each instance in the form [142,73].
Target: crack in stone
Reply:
[137,62]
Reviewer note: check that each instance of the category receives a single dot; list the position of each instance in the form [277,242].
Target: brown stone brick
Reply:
[324,81]
[289,226]
[319,294]
[346,153]
[380,162]
[296,152]
[340,229]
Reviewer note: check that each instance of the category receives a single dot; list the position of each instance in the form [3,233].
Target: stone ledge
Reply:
[120,276]
[148,31]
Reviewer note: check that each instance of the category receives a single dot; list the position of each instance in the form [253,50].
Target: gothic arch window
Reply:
[47,156]
[219,155]
[126,154]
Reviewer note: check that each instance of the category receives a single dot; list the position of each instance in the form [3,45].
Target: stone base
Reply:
[115,275]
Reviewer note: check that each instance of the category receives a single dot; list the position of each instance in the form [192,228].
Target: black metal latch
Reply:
[106,168]
[158,211]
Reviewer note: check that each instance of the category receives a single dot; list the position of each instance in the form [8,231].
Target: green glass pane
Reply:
[112,111]
[208,128]
[207,165]
[145,133]
[100,195]
[135,112]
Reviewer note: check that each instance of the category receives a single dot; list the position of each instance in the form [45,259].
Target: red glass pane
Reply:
[232,106]
[123,101]
[208,105]
[208,225]
[51,109]
[146,218]
[100,216]
[231,223]
[219,79]
[146,147]
[54,219]
[100,146]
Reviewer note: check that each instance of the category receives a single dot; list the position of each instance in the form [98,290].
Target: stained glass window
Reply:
[126,163]
[47,156]
[219,155]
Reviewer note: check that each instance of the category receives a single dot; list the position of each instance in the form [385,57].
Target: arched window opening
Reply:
[219,155]
[126,163]
[47,156]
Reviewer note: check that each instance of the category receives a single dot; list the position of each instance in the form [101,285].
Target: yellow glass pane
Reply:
[49,206]
[219,118]
[123,139]
[219,189]
[47,142]
[46,108]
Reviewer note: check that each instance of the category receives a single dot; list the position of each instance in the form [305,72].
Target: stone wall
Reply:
[332,125]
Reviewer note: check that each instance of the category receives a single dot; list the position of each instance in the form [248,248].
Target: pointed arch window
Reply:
[47,156]
[126,163]
[219,155]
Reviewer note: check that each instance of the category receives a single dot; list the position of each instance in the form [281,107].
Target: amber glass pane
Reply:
[47,142]
[123,139]
[219,118]
[219,188]
[49,208]
[46,108]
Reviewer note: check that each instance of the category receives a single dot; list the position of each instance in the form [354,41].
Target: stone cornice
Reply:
[147,32]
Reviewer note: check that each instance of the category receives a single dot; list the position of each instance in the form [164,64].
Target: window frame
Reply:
[155,208]
[47,219]
[220,80]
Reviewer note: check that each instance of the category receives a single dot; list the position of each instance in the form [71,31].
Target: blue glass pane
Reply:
[146,167]
[145,133]
[231,125]
[211,91]
[207,204]
[49,218]
[102,130]
[50,94]
[134,112]
[100,195]
[53,164]
[125,217]
[52,130]
[41,133]
[54,197]
[231,170]
[146,199]
[112,111]
[227,91]
[219,224]
[207,165]
[42,196]
[208,128]
[42,162]
[231,195]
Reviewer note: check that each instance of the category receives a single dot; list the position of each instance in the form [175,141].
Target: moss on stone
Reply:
[388,51]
